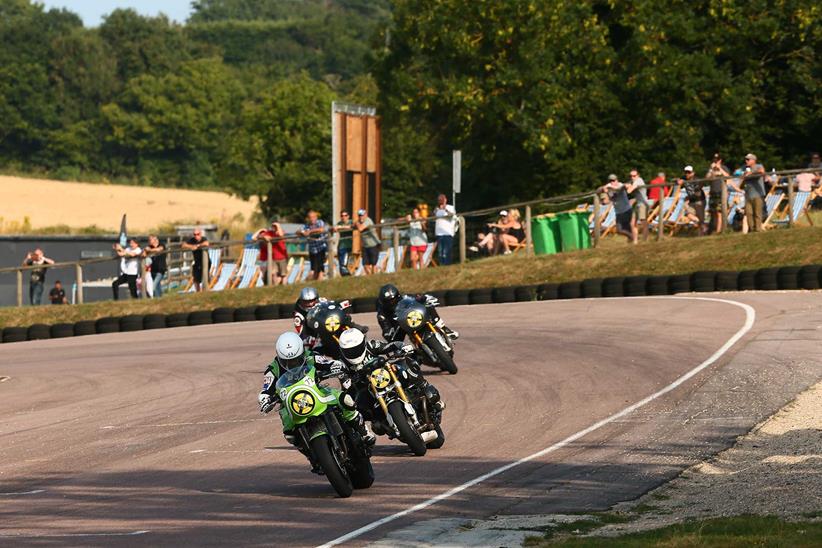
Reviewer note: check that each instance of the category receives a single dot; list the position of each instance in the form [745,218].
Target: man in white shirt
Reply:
[444,229]
[129,267]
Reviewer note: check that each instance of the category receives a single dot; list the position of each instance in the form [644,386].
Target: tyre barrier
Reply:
[224,315]
[613,287]
[548,292]
[703,281]
[592,288]
[727,281]
[364,304]
[178,319]
[245,314]
[747,280]
[766,279]
[635,286]
[15,334]
[61,330]
[570,290]
[788,277]
[656,285]
[107,325]
[504,294]
[199,317]
[480,295]
[457,297]
[133,322]
[679,283]
[526,293]
[154,321]
[85,327]
[38,331]
[810,276]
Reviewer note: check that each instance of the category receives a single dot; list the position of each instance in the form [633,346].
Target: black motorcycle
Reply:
[432,344]
[328,320]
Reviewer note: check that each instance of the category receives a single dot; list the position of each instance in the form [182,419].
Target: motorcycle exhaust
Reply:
[429,436]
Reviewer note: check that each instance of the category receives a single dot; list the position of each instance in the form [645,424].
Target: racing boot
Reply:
[450,333]
[433,397]
[364,430]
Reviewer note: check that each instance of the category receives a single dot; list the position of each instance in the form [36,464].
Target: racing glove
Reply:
[267,403]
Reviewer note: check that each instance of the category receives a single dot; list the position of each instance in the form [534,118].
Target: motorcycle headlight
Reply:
[302,403]
[414,319]
[380,378]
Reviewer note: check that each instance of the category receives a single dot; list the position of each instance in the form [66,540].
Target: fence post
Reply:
[462,239]
[269,264]
[206,267]
[396,242]
[332,256]
[790,202]
[19,288]
[723,210]
[597,219]
[78,275]
[528,240]
[144,279]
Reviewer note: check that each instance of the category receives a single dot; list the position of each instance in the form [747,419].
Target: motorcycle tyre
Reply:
[408,433]
[362,473]
[439,442]
[446,361]
[321,447]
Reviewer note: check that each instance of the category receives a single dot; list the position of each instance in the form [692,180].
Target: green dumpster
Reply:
[573,227]
[545,233]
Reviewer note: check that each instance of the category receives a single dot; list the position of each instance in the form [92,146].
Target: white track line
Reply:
[76,535]
[22,493]
[750,316]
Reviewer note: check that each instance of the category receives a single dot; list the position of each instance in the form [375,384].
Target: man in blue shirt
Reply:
[754,186]
[316,233]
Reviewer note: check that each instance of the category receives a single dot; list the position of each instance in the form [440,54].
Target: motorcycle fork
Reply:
[379,398]
[392,371]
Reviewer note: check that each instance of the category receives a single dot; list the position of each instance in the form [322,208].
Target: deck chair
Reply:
[295,271]
[428,256]
[801,204]
[248,271]
[388,267]
[661,211]
[223,279]
[603,213]
[773,203]
[608,225]
[677,214]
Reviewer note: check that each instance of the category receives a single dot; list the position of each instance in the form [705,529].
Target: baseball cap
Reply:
[361,212]
[613,177]
[688,168]
[503,213]
[750,156]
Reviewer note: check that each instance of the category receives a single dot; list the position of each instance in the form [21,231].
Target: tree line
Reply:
[543,97]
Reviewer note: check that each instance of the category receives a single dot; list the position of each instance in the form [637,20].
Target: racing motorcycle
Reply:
[400,403]
[433,346]
[328,320]
[319,417]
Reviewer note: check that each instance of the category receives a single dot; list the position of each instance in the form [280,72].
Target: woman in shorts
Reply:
[417,238]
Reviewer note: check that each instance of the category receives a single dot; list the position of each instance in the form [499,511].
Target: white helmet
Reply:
[352,346]
[290,350]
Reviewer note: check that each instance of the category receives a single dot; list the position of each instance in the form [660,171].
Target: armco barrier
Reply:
[788,277]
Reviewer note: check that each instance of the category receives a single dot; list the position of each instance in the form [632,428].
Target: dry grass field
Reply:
[30,204]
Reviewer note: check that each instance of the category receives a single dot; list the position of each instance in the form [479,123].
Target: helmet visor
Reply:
[354,354]
[291,363]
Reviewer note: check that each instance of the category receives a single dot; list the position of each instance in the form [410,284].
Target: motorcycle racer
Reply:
[387,301]
[308,299]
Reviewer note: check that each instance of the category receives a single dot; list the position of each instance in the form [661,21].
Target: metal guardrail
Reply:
[395,225]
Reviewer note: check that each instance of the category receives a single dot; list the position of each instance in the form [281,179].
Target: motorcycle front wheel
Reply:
[408,433]
[324,453]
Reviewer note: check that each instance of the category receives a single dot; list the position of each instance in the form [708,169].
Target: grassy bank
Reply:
[613,258]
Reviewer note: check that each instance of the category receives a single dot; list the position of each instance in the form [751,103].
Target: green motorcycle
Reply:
[321,425]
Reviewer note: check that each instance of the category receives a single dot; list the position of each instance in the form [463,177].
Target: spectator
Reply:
[417,238]
[279,253]
[512,233]
[816,166]
[369,240]
[37,280]
[754,186]
[129,267]
[57,295]
[717,173]
[345,228]
[805,181]
[444,229]
[488,242]
[197,243]
[157,264]
[618,195]
[816,162]
[317,234]
[695,198]
[637,192]
[654,193]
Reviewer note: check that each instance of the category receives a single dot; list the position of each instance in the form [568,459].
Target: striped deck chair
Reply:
[223,280]
[801,203]
[773,203]
[388,267]
[603,213]
[214,256]
[608,224]
[295,271]
[661,212]
[677,214]
[248,270]
[428,256]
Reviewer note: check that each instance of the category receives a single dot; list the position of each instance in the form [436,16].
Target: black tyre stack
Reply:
[154,321]
[704,281]
[747,280]
[441,296]
[525,293]
[223,315]
[107,325]
[766,279]
[480,295]
[84,327]
[61,330]
[635,286]
[245,314]
[457,297]
[38,331]
[679,283]
[178,319]
[548,292]
[727,281]
[504,295]
[199,317]
[788,277]
[133,322]
[592,288]
[570,290]
[657,285]
[267,312]
[15,334]
[613,287]
[810,276]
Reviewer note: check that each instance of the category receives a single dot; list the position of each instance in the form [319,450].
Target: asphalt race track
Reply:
[153,438]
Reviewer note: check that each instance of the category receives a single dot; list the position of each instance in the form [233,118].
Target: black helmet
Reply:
[389,295]
[308,298]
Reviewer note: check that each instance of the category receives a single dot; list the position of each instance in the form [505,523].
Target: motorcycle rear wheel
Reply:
[446,362]
[362,473]
[437,443]
[337,477]
[408,433]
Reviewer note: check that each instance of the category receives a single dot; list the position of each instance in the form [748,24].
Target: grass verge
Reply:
[802,245]
[732,532]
